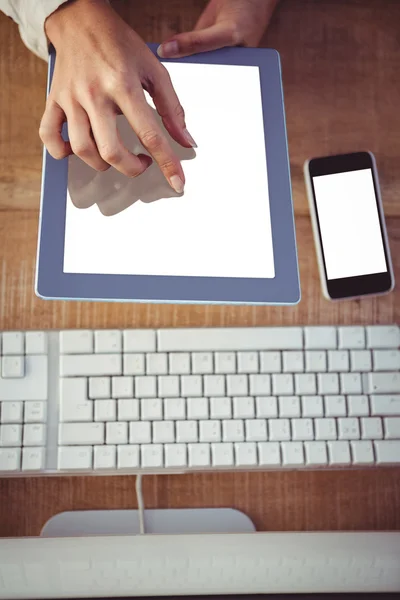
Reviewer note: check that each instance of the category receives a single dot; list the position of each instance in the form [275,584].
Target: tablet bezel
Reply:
[284,288]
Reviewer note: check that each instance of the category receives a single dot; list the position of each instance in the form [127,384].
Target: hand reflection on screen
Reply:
[114,192]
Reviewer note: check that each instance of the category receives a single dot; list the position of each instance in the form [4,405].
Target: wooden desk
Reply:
[340,68]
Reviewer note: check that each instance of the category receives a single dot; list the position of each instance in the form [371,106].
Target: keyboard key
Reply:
[243,407]
[224,338]
[247,362]
[339,453]
[358,406]
[157,364]
[128,456]
[192,385]
[105,410]
[175,455]
[392,428]
[361,360]
[220,408]
[104,457]
[351,338]
[210,431]
[379,336]
[386,360]
[281,385]
[382,383]
[73,408]
[10,435]
[76,434]
[163,432]
[237,385]
[35,412]
[10,459]
[315,361]
[279,429]
[35,342]
[325,429]
[222,454]
[139,340]
[328,383]
[202,363]
[117,433]
[316,453]
[371,428]
[233,430]
[179,363]
[140,432]
[134,364]
[305,384]
[214,385]
[146,387]
[335,406]
[260,385]
[168,386]
[186,431]
[34,434]
[338,361]
[75,457]
[152,456]
[199,455]
[79,341]
[33,459]
[350,383]
[225,362]
[99,387]
[13,367]
[266,407]
[302,429]
[256,430]
[289,406]
[245,454]
[122,387]
[387,452]
[349,429]
[197,408]
[362,452]
[320,338]
[292,454]
[269,454]
[11,412]
[108,341]
[13,343]
[270,362]
[151,409]
[128,410]
[33,386]
[293,362]
[312,406]
[385,404]
[90,365]
[174,409]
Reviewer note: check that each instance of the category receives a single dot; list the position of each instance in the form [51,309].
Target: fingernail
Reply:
[168,49]
[177,184]
[189,138]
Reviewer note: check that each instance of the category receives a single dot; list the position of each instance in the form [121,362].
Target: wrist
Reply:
[72,14]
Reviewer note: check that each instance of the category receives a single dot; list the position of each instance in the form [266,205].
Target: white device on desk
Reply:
[190,565]
[349,225]
[111,401]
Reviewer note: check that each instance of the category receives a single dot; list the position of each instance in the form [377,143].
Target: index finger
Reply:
[142,121]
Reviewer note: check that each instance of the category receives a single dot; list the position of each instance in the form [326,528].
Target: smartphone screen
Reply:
[350,225]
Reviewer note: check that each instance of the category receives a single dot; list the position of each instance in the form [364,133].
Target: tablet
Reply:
[229,239]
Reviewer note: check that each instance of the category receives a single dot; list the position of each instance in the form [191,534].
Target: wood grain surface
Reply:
[340,61]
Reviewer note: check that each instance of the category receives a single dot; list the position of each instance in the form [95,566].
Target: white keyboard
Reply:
[112,401]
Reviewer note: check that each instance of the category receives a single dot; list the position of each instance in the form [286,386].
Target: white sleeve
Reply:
[30,15]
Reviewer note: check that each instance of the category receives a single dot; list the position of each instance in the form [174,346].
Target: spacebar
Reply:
[250,338]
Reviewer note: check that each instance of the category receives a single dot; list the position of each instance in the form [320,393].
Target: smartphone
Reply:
[349,226]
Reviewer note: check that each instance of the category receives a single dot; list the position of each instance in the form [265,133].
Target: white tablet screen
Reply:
[219,227]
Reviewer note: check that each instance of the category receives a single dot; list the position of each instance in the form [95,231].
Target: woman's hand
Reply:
[101,70]
[223,23]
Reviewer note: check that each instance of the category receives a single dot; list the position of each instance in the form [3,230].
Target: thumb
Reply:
[205,40]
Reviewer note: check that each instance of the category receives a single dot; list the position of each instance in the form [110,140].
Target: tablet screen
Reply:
[219,227]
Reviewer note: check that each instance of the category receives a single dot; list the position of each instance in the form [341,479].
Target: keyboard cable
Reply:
[140,503]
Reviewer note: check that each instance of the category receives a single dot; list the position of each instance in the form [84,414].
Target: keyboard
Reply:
[177,400]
